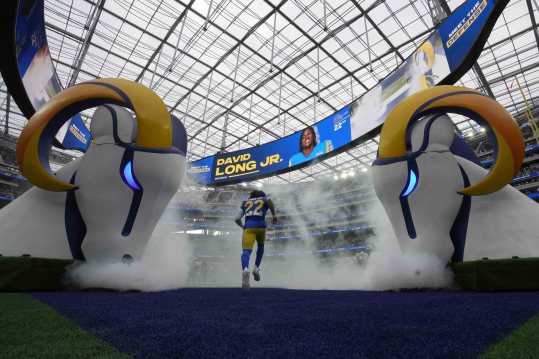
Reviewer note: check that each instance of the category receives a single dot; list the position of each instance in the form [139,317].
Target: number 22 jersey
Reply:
[255,210]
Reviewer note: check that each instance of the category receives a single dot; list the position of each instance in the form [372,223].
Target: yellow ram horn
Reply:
[450,99]
[154,124]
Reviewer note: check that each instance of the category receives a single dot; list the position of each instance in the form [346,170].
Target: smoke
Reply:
[164,266]
[294,263]
[388,268]
[175,260]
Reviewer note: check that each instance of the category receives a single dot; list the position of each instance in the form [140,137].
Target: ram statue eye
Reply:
[129,176]
[411,184]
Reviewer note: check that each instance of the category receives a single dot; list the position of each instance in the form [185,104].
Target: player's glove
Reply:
[274,220]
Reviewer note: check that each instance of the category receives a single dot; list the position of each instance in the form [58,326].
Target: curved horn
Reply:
[154,124]
[428,49]
[509,140]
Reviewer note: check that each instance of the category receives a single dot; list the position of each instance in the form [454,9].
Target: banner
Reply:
[442,59]
[37,70]
[291,151]
[460,31]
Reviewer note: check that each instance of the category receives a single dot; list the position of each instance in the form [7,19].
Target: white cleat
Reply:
[256,273]
[245,280]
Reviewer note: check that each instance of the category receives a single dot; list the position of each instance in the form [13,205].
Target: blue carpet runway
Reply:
[280,323]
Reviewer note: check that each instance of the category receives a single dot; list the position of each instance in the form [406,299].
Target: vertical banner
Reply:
[460,31]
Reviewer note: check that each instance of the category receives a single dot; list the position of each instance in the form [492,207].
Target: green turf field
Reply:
[25,274]
[522,343]
[31,329]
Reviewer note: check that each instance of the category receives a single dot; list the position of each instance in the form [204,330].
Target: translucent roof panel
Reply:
[244,72]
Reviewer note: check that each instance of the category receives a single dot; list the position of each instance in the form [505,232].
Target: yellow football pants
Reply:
[250,235]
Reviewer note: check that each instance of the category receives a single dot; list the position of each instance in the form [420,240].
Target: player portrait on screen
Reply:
[310,146]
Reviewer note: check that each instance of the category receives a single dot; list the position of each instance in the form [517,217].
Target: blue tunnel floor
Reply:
[281,323]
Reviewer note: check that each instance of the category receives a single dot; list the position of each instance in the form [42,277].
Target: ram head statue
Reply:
[105,204]
[438,197]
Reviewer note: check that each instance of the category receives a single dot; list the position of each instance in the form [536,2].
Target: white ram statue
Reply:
[105,204]
[436,194]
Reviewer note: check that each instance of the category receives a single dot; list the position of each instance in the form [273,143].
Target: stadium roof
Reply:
[246,72]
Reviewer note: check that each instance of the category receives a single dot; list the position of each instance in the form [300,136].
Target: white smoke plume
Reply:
[390,269]
[295,266]
[170,261]
[161,268]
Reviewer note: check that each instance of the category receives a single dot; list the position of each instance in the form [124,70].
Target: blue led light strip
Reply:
[411,184]
[128,174]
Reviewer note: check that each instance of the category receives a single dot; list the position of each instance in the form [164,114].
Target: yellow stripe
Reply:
[245,173]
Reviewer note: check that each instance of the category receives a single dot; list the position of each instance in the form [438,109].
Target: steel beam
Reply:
[87,42]
[165,39]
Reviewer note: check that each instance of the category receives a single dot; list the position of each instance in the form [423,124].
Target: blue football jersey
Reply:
[255,210]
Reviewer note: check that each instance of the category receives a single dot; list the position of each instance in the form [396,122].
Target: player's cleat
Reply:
[245,280]
[256,273]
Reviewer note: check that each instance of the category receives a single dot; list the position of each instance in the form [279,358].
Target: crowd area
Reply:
[12,184]
[527,180]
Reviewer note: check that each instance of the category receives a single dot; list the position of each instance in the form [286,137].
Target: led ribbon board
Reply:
[37,71]
[442,59]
